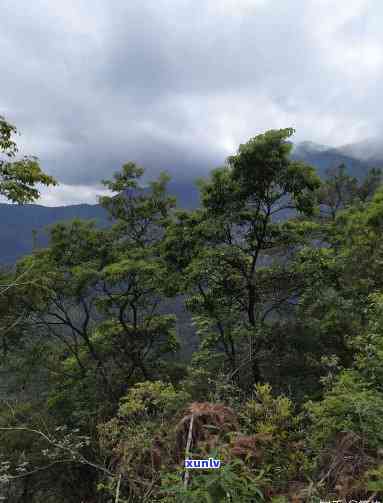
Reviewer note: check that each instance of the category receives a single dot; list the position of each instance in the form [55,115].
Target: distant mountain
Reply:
[370,150]
[323,157]
[18,222]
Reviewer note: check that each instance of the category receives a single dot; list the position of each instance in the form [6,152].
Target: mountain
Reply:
[370,150]
[324,157]
[18,222]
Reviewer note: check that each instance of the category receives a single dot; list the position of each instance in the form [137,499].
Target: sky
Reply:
[177,85]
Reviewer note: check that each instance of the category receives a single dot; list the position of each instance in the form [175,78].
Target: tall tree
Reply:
[100,292]
[340,190]
[342,275]
[233,251]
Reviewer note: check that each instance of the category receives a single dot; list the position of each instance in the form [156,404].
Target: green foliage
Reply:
[18,178]
[230,251]
[139,435]
[374,480]
[274,421]
[275,174]
[100,293]
[268,414]
[340,191]
[151,399]
[351,405]
[368,346]
[287,304]
[231,483]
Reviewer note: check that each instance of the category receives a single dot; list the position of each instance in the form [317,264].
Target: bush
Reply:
[232,483]
[351,405]
[152,399]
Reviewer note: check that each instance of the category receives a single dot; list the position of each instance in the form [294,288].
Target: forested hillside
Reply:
[324,157]
[281,275]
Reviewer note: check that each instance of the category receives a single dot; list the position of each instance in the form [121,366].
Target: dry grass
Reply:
[345,464]
[210,420]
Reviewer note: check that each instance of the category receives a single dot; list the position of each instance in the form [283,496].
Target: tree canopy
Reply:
[247,330]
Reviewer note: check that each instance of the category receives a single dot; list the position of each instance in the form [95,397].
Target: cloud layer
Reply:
[177,85]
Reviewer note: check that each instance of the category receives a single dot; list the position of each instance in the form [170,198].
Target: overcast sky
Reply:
[178,84]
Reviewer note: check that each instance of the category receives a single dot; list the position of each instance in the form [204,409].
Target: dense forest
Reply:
[248,330]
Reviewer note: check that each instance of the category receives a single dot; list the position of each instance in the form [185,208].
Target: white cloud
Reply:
[63,195]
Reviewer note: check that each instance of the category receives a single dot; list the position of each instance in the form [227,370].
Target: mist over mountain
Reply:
[17,223]
[358,157]
[369,150]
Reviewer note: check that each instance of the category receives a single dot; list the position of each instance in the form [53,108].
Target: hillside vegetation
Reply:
[282,277]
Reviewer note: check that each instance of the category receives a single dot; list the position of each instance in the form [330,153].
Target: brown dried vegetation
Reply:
[210,420]
[345,464]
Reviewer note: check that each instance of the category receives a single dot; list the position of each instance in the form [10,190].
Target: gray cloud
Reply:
[177,85]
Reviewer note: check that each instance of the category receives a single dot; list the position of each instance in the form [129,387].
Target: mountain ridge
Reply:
[18,222]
